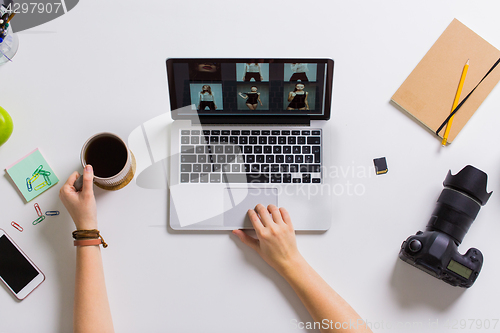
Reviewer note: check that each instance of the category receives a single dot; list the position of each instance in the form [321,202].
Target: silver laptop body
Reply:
[227,156]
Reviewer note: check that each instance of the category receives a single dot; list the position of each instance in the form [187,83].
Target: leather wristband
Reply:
[87,242]
[82,236]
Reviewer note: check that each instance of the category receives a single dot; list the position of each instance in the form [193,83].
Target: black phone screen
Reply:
[15,269]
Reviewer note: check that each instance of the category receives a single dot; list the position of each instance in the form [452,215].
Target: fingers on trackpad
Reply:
[237,201]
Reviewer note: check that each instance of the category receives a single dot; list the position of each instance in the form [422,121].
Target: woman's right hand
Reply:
[81,205]
[276,242]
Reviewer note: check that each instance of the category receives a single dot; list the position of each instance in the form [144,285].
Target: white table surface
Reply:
[101,67]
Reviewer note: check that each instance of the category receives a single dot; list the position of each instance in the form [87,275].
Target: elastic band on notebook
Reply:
[466,97]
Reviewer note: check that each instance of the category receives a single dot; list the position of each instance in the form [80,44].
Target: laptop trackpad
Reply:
[245,199]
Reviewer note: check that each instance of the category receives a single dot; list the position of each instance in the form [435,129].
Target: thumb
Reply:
[248,240]
[88,179]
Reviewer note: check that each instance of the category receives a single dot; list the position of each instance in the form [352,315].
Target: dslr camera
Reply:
[435,250]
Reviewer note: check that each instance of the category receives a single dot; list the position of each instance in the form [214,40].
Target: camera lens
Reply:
[459,203]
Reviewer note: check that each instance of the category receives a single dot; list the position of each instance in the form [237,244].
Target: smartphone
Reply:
[17,271]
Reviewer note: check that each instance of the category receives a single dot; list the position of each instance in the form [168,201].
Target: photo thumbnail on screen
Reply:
[205,71]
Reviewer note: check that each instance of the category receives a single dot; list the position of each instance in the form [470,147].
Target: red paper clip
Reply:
[17,226]
[38,210]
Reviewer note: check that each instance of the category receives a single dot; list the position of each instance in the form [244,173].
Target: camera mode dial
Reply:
[415,245]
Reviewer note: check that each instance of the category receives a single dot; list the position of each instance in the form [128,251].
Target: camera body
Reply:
[435,250]
[436,254]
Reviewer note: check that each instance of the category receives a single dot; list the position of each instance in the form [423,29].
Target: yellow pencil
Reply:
[10,17]
[455,103]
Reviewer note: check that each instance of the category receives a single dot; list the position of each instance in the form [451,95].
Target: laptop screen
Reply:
[250,87]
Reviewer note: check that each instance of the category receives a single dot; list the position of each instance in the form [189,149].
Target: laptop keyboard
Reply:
[250,156]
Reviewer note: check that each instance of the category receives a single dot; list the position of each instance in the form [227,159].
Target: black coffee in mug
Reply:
[110,158]
[107,155]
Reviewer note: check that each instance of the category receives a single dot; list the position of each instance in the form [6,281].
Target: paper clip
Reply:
[44,173]
[38,220]
[52,212]
[28,185]
[17,226]
[38,170]
[39,186]
[32,180]
[38,210]
[47,179]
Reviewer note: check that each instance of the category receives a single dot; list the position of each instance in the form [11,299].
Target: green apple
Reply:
[6,126]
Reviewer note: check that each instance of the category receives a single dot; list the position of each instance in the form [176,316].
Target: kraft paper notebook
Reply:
[428,92]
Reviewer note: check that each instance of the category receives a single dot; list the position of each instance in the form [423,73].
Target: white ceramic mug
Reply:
[110,150]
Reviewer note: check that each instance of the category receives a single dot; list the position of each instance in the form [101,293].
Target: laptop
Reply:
[249,131]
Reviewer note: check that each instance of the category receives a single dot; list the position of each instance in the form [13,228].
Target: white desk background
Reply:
[101,67]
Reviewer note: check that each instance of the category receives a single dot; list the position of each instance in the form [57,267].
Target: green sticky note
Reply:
[32,175]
